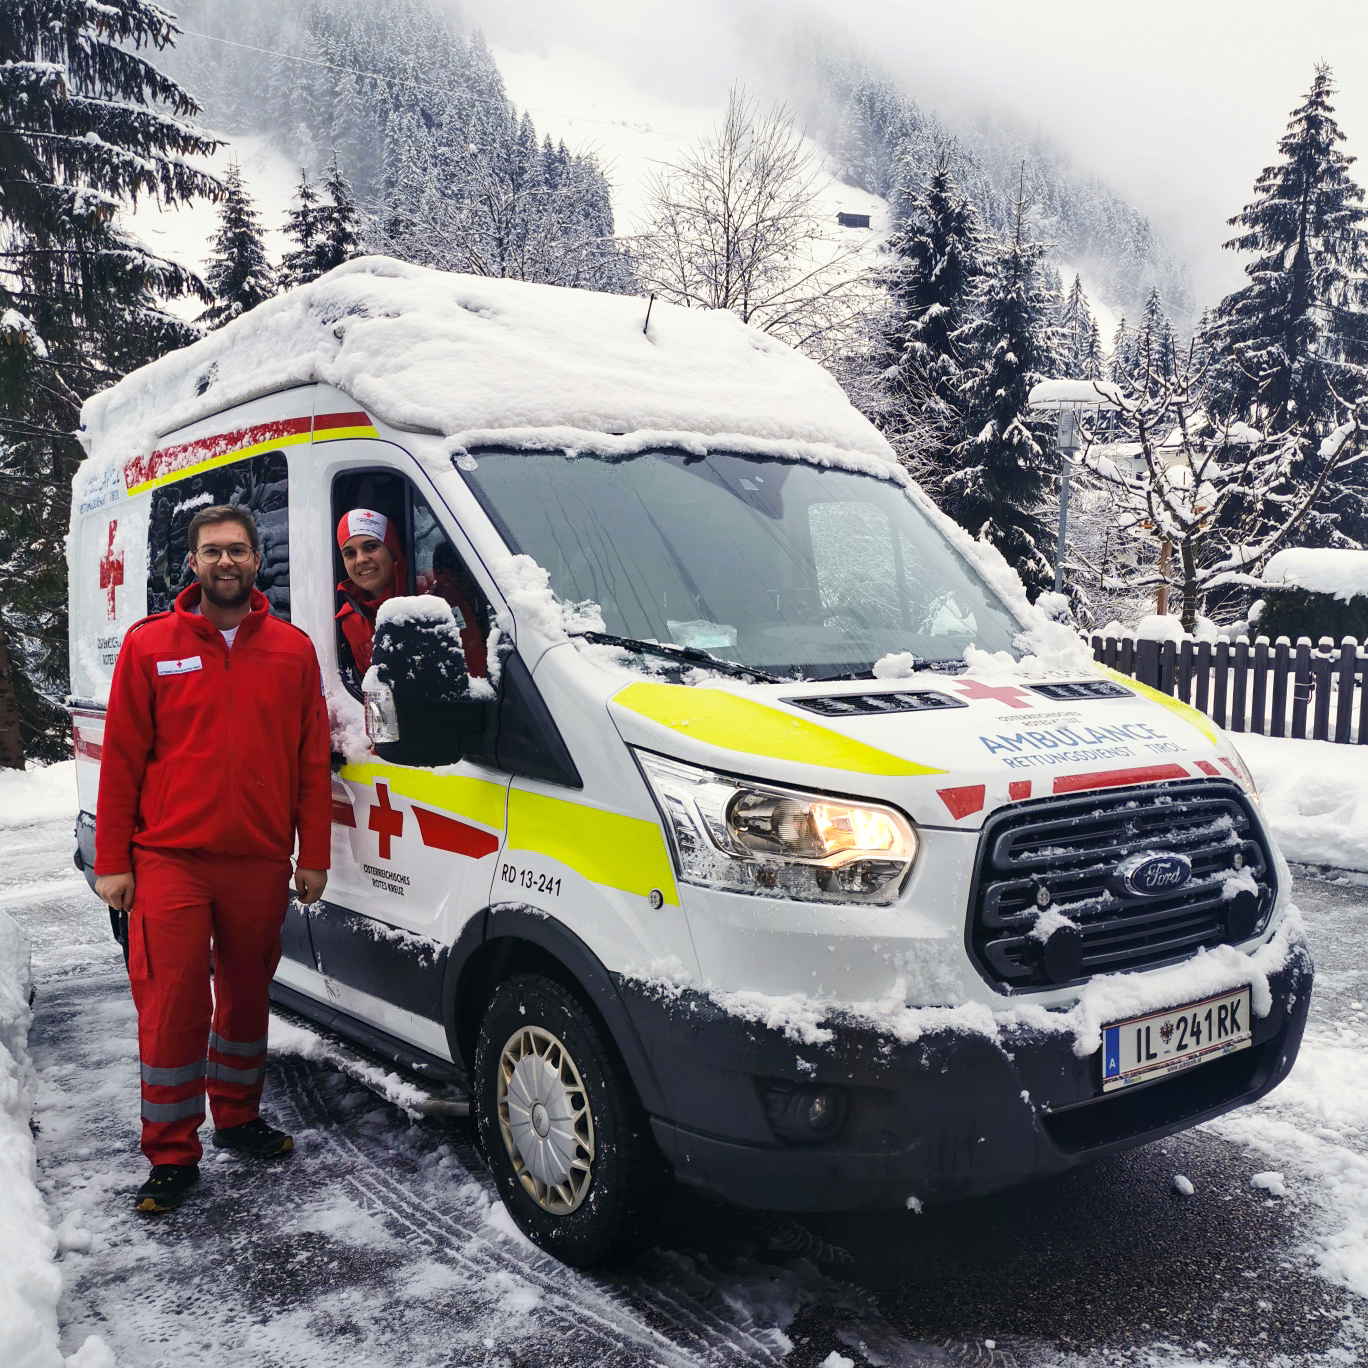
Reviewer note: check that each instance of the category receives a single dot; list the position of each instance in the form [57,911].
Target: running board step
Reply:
[419,1084]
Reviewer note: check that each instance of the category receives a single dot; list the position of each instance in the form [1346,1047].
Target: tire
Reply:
[583,1177]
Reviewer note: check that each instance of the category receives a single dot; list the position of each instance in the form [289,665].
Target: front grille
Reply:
[1071,847]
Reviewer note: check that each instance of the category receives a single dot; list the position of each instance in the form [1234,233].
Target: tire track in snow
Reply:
[583,1306]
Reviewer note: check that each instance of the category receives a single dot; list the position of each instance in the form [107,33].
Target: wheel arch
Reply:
[509,938]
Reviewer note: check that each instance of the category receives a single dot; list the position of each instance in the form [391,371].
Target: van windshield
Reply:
[787,567]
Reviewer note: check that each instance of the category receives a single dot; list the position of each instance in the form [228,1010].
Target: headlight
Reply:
[1245,773]
[752,837]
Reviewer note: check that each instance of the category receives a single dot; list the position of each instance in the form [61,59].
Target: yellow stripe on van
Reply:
[605,847]
[718,718]
[478,799]
[1186,711]
[336,434]
[223,459]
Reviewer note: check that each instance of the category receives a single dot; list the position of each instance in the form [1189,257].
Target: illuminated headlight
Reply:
[752,837]
[1245,774]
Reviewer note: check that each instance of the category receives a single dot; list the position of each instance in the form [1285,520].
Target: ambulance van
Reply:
[776,843]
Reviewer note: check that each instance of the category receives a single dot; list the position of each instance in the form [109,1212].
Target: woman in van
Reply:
[377,571]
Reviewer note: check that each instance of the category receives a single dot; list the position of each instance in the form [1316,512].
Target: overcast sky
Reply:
[1176,103]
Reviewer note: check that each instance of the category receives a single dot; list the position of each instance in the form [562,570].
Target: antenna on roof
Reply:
[647,323]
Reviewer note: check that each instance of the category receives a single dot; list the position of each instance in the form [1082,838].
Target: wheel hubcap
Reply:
[544,1118]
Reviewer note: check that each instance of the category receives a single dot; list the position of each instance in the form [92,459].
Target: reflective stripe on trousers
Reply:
[173,1111]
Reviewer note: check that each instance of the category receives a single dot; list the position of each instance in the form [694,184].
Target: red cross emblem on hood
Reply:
[1003,693]
[385,821]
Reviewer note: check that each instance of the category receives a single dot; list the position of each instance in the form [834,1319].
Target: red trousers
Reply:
[190,1041]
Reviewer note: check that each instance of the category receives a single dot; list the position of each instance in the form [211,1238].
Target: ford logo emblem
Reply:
[1149,875]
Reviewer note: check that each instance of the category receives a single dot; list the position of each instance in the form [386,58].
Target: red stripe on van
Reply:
[323,421]
[445,833]
[165,460]
[343,815]
[92,750]
[1147,774]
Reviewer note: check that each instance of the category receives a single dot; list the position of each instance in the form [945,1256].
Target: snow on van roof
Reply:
[484,361]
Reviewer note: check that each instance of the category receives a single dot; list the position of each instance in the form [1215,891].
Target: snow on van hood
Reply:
[479,360]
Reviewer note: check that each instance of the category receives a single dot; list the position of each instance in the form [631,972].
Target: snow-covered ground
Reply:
[1315,795]
[380,1241]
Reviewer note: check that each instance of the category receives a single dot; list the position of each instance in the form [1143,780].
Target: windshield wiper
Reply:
[953,667]
[688,655]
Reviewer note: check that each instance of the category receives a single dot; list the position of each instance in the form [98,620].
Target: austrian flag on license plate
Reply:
[1162,1043]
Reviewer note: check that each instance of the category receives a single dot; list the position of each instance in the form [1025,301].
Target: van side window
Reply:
[430,565]
[259,484]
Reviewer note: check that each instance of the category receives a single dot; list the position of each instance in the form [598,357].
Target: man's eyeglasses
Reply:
[239,553]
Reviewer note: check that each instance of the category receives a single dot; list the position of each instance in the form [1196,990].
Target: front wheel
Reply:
[568,1143]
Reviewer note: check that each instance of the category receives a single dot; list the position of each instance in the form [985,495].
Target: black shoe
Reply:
[165,1188]
[255,1138]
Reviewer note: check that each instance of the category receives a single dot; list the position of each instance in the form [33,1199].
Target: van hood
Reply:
[947,750]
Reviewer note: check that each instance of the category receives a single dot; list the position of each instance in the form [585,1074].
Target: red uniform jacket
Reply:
[207,749]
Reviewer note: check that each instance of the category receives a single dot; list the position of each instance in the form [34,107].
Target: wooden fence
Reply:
[1273,688]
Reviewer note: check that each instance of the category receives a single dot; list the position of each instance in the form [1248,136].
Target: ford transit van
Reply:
[777,843]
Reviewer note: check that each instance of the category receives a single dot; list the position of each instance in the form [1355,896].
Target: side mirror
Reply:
[417,692]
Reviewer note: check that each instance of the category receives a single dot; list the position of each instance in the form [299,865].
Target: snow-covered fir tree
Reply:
[1118,363]
[1080,343]
[1004,471]
[937,256]
[89,124]
[239,274]
[300,264]
[1147,356]
[1296,336]
[323,228]
[339,236]
[445,172]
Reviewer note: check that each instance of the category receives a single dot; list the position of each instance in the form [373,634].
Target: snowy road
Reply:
[378,1243]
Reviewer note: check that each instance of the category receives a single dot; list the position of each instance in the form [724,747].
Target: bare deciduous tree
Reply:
[736,224]
[1191,471]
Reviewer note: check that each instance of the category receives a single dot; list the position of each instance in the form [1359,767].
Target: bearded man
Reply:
[215,758]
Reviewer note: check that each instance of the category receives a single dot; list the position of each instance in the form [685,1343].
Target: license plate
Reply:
[1163,1043]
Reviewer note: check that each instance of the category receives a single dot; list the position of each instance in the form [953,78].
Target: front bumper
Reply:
[953,1115]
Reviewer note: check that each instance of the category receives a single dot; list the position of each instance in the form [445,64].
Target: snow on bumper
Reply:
[943,1103]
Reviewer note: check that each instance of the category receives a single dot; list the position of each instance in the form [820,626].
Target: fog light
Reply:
[1242,916]
[804,1115]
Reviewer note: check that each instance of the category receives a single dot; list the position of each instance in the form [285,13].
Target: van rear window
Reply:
[261,485]
[784,566]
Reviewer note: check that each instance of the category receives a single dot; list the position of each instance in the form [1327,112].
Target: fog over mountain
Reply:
[1174,106]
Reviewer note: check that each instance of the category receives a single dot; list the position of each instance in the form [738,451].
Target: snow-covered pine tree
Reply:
[339,230]
[1296,336]
[1154,349]
[1005,469]
[299,264]
[1077,333]
[937,258]
[88,124]
[239,274]
[325,231]
[1093,363]
[1122,353]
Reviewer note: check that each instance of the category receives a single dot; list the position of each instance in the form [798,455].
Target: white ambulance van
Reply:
[778,843]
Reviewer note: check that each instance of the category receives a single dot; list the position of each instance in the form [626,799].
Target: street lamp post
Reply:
[1070,399]
[1066,443]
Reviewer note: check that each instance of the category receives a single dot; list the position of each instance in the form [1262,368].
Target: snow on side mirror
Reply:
[417,692]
